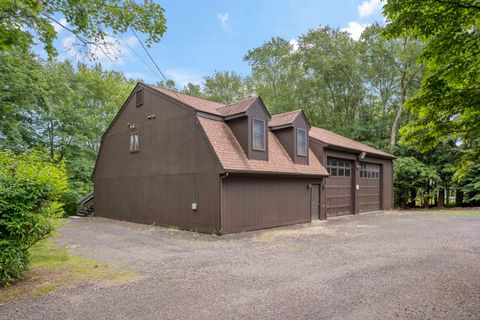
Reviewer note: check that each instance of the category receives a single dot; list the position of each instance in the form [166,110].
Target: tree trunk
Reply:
[403,97]
[459,198]
[51,138]
[414,195]
[441,198]
[426,201]
[447,197]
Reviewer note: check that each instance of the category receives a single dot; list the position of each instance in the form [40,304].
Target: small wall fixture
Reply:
[131,125]
[194,206]
[152,116]
[362,155]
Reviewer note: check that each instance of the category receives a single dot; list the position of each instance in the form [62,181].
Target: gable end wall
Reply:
[174,168]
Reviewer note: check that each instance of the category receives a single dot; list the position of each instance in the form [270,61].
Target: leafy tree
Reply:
[446,106]
[192,89]
[392,75]
[62,109]
[167,84]
[412,177]
[31,185]
[225,87]
[471,185]
[20,91]
[87,20]
[274,74]
[331,90]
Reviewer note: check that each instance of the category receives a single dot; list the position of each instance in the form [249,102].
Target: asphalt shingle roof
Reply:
[233,158]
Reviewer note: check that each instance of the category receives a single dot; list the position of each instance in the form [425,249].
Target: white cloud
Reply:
[355,29]
[108,52]
[58,27]
[223,17]
[294,44]
[369,7]
[183,76]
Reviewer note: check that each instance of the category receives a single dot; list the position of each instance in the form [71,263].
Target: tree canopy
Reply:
[88,20]
[446,106]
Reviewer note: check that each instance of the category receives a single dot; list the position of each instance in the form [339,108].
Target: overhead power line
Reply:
[141,58]
[145,49]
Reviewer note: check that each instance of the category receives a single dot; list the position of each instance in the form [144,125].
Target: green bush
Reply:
[30,186]
[412,178]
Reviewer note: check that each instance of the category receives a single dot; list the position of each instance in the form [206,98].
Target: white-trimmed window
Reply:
[134,142]
[258,129]
[301,142]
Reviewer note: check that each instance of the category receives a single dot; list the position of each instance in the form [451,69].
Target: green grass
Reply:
[53,267]
[454,212]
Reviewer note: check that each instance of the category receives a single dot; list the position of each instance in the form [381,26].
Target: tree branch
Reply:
[460,5]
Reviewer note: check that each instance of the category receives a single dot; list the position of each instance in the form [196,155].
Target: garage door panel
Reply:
[338,189]
[369,192]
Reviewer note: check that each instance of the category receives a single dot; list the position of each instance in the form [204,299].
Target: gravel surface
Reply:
[374,266]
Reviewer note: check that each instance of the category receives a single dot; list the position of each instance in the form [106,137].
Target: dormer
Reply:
[248,121]
[291,129]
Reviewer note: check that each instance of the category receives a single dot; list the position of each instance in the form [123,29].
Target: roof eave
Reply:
[377,155]
[298,174]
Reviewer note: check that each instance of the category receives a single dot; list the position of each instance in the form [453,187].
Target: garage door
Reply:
[369,192]
[338,187]
[257,202]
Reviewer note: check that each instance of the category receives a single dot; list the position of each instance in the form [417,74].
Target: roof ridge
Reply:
[184,94]
[233,103]
[377,150]
[343,137]
[288,112]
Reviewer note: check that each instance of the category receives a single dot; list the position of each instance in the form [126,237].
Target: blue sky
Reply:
[204,36]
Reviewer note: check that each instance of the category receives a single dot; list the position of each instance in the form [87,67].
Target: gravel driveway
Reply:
[375,266]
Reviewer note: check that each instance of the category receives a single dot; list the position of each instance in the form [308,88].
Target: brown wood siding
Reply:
[285,136]
[239,127]
[256,111]
[315,202]
[288,139]
[318,151]
[254,202]
[174,168]
[301,123]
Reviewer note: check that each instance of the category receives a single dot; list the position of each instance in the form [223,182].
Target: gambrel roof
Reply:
[230,153]
[233,158]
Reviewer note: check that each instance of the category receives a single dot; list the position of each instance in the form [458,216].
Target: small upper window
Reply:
[139,97]
[301,142]
[258,134]
[134,143]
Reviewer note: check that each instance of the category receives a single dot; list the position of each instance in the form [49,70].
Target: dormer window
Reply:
[301,142]
[258,134]
[139,98]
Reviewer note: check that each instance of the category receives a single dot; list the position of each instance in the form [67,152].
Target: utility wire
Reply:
[158,68]
[141,59]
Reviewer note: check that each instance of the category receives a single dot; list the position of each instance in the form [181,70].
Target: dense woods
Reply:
[410,88]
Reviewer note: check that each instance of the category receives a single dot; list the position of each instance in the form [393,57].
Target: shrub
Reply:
[412,177]
[30,186]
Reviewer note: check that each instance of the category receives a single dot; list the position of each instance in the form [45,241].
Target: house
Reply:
[176,160]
